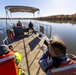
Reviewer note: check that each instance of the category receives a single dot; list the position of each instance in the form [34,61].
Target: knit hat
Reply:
[3,49]
[57,43]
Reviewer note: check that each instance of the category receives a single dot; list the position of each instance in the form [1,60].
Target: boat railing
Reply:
[43,29]
[3,36]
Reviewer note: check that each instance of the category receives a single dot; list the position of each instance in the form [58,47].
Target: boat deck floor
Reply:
[30,46]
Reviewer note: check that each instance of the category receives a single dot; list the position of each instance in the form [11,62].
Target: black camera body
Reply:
[46,42]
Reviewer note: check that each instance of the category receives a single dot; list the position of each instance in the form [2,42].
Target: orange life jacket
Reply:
[8,65]
[68,68]
[11,35]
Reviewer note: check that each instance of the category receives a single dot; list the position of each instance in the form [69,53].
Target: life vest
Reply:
[17,60]
[18,57]
[68,68]
[11,35]
[8,65]
[19,24]
[30,25]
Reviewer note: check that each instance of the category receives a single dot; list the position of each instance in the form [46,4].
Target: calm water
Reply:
[67,33]
[64,31]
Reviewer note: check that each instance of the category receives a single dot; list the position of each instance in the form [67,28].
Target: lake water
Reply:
[67,33]
[64,31]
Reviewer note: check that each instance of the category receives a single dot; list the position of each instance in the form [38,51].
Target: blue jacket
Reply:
[44,59]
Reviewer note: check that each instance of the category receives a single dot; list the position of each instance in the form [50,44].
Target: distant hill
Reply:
[59,17]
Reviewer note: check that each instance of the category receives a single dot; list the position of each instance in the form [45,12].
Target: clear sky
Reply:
[47,7]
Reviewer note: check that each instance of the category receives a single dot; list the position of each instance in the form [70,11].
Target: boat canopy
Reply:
[21,9]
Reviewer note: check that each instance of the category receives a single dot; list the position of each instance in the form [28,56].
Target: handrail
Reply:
[4,36]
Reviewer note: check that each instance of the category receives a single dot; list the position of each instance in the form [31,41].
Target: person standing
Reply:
[55,60]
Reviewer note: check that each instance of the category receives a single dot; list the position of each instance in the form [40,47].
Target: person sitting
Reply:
[19,24]
[9,61]
[55,61]
[30,25]
[17,60]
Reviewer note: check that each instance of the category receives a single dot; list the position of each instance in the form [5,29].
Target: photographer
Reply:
[55,61]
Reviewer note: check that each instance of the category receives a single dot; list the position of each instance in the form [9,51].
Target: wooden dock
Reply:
[30,46]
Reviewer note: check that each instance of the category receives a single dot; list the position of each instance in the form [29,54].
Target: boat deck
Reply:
[30,46]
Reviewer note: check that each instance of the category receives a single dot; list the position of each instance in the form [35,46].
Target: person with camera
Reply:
[55,61]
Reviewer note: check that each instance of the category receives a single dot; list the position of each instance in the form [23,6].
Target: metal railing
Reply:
[3,36]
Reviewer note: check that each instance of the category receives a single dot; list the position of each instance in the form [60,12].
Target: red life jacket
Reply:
[19,24]
[30,25]
[68,68]
[8,65]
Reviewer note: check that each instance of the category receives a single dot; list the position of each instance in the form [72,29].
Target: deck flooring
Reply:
[30,48]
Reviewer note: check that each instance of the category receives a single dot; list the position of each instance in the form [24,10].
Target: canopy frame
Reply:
[13,9]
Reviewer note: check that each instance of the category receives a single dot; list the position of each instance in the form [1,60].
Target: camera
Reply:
[46,42]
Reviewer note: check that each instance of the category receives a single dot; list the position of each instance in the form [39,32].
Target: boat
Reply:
[30,46]
[19,30]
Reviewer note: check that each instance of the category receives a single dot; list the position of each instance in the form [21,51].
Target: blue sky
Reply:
[47,7]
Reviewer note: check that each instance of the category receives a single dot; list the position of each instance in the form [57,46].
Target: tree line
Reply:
[59,18]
